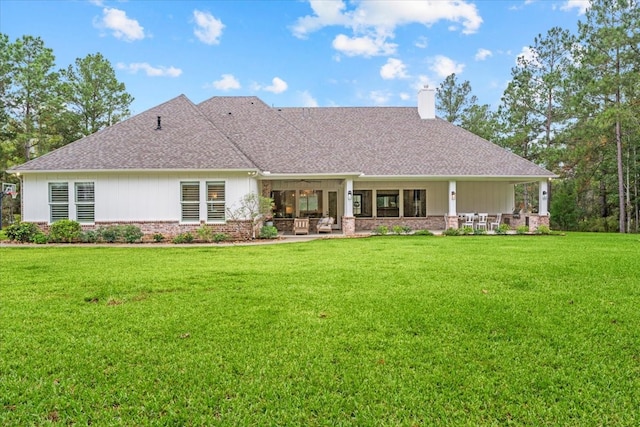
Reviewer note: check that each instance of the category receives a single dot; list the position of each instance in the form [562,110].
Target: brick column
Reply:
[348,225]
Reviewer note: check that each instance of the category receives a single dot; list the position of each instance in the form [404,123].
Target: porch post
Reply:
[543,197]
[452,196]
[348,220]
[348,197]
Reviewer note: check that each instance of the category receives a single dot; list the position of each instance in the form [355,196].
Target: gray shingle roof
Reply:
[244,133]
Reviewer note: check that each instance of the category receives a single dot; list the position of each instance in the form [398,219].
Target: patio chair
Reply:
[325,225]
[468,220]
[482,221]
[301,226]
[496,223]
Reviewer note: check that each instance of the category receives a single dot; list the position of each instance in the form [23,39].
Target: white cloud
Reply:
[444,66]
[422,82]
[373,23]
[227,82]
[581,5]
[150,70]
[307,100]
[120,25]
[483,54]
[277,86]
[405,96]
[379,97]
[363,46]
[527,54]
[209,29]
[422,42]
[393,69]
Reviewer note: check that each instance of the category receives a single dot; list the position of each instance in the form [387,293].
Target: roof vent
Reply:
[159,127]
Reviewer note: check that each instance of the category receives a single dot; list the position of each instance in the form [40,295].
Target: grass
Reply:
[384,331]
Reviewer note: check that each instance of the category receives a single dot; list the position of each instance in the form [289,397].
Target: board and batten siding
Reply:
[131,196]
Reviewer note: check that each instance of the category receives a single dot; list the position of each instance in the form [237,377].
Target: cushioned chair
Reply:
[301,226]
[325,225]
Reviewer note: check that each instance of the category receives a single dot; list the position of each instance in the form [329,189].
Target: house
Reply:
[180,165]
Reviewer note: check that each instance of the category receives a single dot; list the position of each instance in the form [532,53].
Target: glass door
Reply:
[333,208]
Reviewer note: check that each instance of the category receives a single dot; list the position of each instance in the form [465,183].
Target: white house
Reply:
[180,165]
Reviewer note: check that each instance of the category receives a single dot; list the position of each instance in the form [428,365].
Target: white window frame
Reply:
[190,205]
[85,202]
[58,202]
[216,201]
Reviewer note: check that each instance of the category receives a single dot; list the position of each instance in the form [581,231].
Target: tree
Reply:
[453,99]
[608,59]
[32,97]
[94,94]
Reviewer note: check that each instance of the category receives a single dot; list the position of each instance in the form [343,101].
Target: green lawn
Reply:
[384,331]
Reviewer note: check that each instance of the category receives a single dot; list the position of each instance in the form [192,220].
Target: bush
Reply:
[466,230]
[543,229]
[479,231]
[381,230]
[502,229]
[90,236]
[40,238]
[522,229]
[131,233]
[158,237]
[451,232]
[268,232]
[65,231]
[23,232]
[205,233]
[221,237]
[183,238]
[110,234]
[423,233]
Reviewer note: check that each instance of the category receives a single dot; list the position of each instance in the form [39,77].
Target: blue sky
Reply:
[293,52]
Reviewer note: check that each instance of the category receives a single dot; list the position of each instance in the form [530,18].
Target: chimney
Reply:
[427,103]
[159,125]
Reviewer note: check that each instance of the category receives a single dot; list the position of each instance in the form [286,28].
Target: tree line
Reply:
[573,107]
[43,108]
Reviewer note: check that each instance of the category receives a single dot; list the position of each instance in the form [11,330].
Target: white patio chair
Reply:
[495,224]
[468,220]
[482,221]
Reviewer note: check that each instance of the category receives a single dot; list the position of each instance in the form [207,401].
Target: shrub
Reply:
[543,229]
[158,237]
[183,238]
[451,232]
[22,231]
[502,229]
[268,232]
[479,231]
[131,233]
[397,229]
[40,238]
[221,237]
[110,234]
[466,230]
[90,236]
[205,233]
[65,231]
[423,233]
[522,229]
[381,230]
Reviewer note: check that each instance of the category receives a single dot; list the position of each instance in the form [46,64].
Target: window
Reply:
[190,200]
[310,203]
[85,202]
[387,203]
[363,203]
[415,203]
[58,200]
[215,201]
[285,203]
